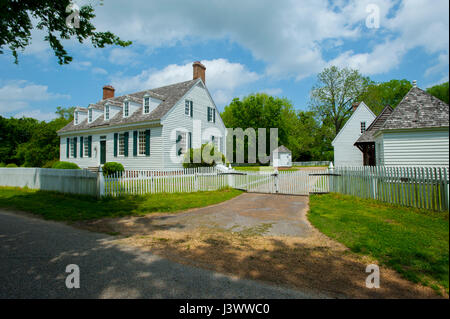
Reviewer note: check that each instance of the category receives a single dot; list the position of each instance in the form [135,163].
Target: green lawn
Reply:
[413,242]
[57,206]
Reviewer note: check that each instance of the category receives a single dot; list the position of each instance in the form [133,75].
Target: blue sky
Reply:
[248,46]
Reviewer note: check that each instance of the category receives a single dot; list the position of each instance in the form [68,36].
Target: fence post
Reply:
[100,183]
[195,182]
[276,182]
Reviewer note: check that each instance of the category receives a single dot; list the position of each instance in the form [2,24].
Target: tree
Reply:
[310,140]
[43,146]
[261,110]
[336,90]
[51,16]
[440,91]
[65,113]
[378,95]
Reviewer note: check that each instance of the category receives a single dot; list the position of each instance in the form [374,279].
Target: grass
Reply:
[64,207]
[413,242]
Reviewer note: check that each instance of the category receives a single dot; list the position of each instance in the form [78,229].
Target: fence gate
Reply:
[302,182]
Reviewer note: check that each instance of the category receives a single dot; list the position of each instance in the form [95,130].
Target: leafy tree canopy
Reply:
[378,95]
[440,91]
[19,18]
[336,90]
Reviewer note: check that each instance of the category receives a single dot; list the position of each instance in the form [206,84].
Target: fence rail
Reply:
[420,187]
[73,181]
[140,182]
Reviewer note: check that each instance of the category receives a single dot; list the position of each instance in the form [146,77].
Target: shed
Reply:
[282,157]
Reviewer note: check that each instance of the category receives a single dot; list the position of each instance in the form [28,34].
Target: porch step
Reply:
[93,169]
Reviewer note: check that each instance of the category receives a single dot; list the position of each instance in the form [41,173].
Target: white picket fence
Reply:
[140,182]
[420,187]
[302,182]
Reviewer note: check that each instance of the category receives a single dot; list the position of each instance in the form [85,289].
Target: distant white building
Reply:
[345,152]
[282,157]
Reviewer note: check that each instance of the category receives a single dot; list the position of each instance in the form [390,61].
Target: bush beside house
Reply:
[112,168]
[11,165]
[65,165]
[192,154]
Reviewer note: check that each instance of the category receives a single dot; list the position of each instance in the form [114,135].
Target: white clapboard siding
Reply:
[414,148]
[345,153]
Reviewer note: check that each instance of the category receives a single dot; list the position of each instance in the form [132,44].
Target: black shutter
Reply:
[81,146]
[75,147]
[125,144]
[147,142]
[135,141]
[90,146]
[116,137]
[209,113]
[213,110]
[189,140]
[192,108]
[68,148]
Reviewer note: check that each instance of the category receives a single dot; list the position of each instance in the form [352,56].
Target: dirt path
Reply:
[263,237]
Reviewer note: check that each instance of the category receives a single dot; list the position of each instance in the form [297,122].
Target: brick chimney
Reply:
[199,71]
[355,106]
[108,92]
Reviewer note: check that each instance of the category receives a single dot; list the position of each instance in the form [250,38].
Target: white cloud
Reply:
[99,71]
[37,114]
[416,24]
[123,56]
[18,95]
[223,78]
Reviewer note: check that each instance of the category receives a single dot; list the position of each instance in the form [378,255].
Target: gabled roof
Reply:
[418,109]
[169,95]
[367,136]
[359,105]
[282,149]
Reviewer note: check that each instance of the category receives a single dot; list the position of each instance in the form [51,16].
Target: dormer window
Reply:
[90,115]
[76,118]
[146,104]
[126,108]
[107,113]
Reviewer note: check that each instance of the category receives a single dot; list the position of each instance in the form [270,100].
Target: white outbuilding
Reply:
[282,157]
[345,152]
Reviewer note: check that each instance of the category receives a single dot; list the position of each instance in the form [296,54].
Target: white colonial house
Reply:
[345,152]
[415,133]
[150,129]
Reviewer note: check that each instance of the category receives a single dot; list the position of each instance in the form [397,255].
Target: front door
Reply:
[102,152]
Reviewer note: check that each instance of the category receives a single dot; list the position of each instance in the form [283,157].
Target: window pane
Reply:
[121,144]
[86,147]
[141,148]
[146,105]
[187,106]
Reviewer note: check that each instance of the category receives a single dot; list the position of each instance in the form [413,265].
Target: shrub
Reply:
[50,164]
[112,168]
[11,165]
[188,160]
[65,165]
[2,164]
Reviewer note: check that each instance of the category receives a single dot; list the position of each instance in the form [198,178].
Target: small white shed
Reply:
[282,157]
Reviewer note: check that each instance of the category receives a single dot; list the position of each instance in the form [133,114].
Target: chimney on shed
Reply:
[199,71]
[108,92]
[355,106]
[414,83]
